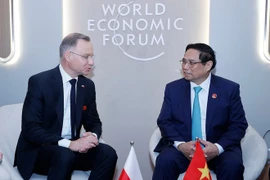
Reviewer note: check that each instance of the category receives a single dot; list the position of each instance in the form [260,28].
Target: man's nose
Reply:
[91,61]
[185,66]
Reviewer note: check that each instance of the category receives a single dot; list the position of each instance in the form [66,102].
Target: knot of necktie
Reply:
[72,82]
[197,89]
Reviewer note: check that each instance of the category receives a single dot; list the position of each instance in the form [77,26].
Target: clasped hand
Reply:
[210,150]
[83,144]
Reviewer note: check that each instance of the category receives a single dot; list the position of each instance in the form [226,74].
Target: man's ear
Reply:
[209,65]
[67,55]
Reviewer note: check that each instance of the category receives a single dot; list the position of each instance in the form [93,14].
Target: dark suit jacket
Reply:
[42,116]
[225,116]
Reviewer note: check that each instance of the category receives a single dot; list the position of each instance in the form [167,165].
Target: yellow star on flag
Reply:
[204,171]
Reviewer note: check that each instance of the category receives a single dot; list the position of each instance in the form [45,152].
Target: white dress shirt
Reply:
[203,99]
[66,129]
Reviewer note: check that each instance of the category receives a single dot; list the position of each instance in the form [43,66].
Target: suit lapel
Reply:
[57,86]
[213,99]
[185,95]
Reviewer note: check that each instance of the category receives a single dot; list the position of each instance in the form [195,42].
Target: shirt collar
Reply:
[204,85]
[65,76]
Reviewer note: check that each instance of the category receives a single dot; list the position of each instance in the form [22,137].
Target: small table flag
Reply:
[131,170]
[198,169]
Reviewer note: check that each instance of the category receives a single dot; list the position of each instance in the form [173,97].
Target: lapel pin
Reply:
[84,108]
[214,95]
[82,86]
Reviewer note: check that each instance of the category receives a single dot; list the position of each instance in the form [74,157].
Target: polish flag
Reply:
[131,169]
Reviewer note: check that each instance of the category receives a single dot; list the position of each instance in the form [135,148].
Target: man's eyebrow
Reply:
[89,54]
[188,59]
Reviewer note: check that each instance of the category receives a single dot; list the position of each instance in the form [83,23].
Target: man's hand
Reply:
[187,149]
[210,150]
[83,144]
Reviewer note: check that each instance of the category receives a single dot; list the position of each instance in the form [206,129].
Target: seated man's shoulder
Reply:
[226,82]
[177,82]
[43,74]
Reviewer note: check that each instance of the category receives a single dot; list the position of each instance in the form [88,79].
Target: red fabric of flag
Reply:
[124,175]
[198,169]
[131,170]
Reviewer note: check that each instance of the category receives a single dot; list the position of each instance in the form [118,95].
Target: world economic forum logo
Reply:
[136,28]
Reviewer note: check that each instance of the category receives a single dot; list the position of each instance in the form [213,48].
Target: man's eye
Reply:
[184,61]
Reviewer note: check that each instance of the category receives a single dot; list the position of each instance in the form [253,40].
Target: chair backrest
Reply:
[10,116]
[266,137]
[255,154]
[253,146]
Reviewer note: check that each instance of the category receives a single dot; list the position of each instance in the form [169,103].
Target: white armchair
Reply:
[4,174]
[254,153]
[10,118]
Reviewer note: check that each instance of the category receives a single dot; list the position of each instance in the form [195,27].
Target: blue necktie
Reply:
[73,108]
[196,116]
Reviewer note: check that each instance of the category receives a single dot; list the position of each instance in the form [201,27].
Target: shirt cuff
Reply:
[177,143]
[220,148]
[95,134]
[64,143]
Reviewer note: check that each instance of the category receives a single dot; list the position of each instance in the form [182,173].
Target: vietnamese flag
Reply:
[198,169]
[131,169]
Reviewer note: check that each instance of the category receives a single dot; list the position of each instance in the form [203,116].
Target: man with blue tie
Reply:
[205,106]
[57,104]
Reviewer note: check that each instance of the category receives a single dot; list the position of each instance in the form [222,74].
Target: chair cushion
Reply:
[4,174]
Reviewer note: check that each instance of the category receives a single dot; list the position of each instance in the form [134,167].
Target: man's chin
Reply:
[89,74]
[86,72]
[187,77]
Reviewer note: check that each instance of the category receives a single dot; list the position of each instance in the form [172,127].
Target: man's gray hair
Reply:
[70,41]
